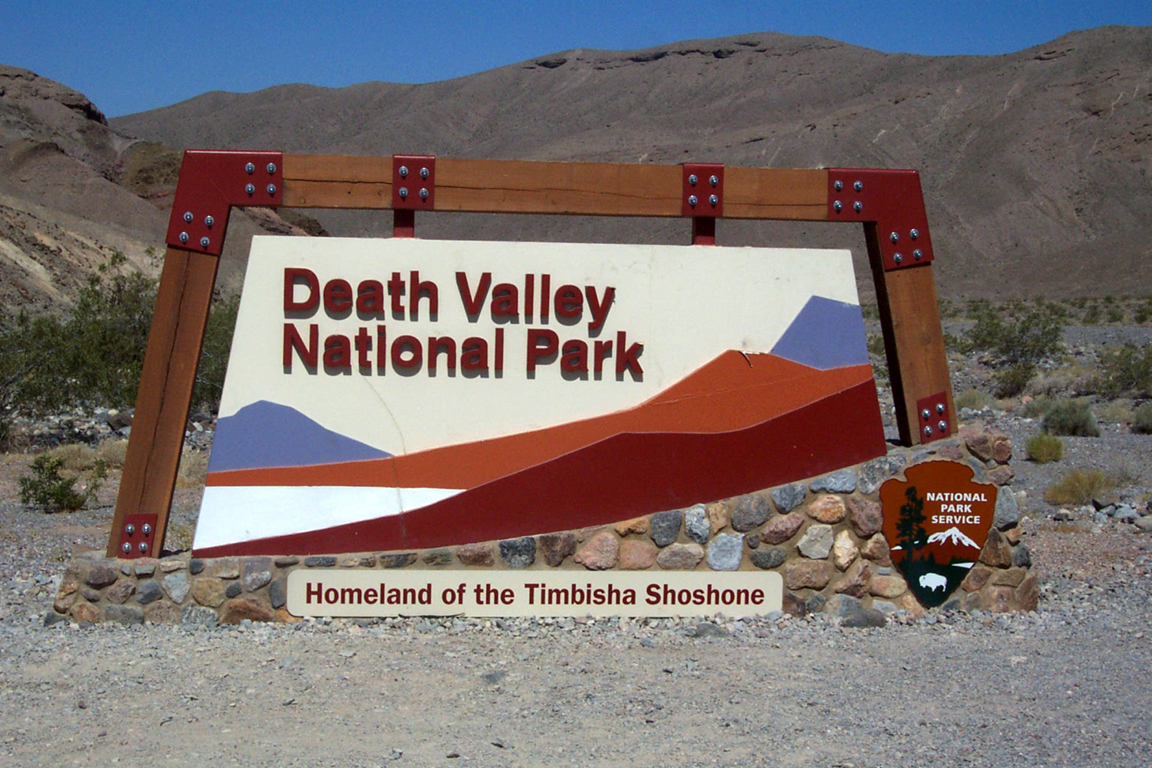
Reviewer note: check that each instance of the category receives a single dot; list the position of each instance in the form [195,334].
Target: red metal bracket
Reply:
[138,537]
[211,182]
[702,192]
[893,201]
[935,421]
[414,182]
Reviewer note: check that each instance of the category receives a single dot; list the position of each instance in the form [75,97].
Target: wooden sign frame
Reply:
[888,203]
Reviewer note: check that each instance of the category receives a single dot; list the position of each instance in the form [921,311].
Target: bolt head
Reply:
[898,258]
[403,171]
[183,237]
[146,529]
[894,237]
[423,193]
[857,206]
[858,186]
[204,242]
[129,529]
[714,180]
[250,188]
[838,186]
[403,193]
[250,168]
[271,168]
[143,546]
[943,425]
[188,216]
[925,414]
[693,179]
[939,407]
[837,206]
[914,234]
[927,431]
[713,199]
[424,173]
[126,548]
[270,189]
[692,200]
[917,254]
[209,221]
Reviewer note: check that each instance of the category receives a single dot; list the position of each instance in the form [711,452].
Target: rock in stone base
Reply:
[235,611]
[195,614]
[599,553]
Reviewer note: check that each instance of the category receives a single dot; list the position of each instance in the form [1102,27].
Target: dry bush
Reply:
[1073,376]
[1142,420]
[74,457]
[113,452]
[193,469]
[1078,487]
[1117,412]
[974,399]
[1044,448]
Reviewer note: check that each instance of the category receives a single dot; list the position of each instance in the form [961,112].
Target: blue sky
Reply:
[133,56]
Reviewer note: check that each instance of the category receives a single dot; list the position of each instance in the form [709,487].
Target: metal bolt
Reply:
[146,529]
[129,529]
[939,407]
[914,234]
[143,546]
[423,193]
[188,216]
[857,206]
[927,431]
[925,414]
[403,171]
[714,180]
[858,186]
[209,221]
[250,168]
[204,241]
[250,189]
[837,206]
[692,200]
[270,189]
[917,254]
[713,199]
[838,185]
[403,193]
[943,425]
[183,237]
[126,548]
[425,173]
[897,258]
[692,179]
[894,237]
[271,168]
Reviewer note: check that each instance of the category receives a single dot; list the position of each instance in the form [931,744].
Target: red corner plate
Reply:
[211,182]
[893,200]
[702,190]
[414,182]
[933,416]
[138,537]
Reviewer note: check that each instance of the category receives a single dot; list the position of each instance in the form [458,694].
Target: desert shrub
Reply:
[76,457]
[1078,487]
[1116,412]
[1125,370]
[193,469]
[1070,418]
[50,491]
[214,355]
[1142,420]
[1043,448]
[974,399]
[112,453]
[1016,342]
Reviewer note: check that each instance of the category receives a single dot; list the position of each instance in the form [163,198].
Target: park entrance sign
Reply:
[399,394]
[549,409]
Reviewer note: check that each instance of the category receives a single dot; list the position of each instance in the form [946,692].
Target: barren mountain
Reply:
[1036,165]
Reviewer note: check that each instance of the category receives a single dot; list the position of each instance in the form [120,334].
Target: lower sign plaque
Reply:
[348,592]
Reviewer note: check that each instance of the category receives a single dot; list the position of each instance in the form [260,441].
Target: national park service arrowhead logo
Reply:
[936,523]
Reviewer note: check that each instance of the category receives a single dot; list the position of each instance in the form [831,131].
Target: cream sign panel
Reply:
[384,393]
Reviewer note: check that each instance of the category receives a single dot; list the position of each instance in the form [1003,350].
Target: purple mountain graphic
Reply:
[266,434]
[825,334]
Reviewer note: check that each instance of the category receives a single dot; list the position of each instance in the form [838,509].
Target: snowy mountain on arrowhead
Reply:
[952,536]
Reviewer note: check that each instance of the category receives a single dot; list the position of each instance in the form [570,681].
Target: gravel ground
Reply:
[1070,685]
